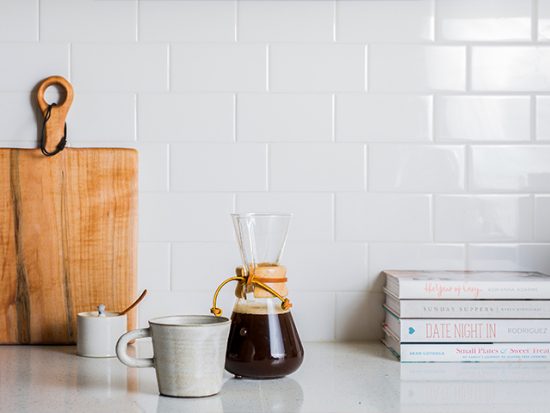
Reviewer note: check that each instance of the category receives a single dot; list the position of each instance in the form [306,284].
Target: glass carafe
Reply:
[263,340]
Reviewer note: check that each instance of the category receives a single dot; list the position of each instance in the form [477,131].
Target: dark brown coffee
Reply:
[263,346]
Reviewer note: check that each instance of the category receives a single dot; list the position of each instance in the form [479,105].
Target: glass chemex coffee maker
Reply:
[263,340]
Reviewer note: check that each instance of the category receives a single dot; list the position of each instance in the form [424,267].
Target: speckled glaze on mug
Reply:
[189,353]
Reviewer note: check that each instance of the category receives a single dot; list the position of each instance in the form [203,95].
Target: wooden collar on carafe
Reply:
[272,275]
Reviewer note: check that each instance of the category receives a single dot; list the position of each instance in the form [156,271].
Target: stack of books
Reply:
[474,316]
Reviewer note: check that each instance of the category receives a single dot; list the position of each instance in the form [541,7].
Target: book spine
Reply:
[475,352]
[471,308]
[472,290]
[473,330]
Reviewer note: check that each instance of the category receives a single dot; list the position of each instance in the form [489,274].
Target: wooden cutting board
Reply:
[68,233]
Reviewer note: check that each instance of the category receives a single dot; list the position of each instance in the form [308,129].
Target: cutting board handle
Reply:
[54,128]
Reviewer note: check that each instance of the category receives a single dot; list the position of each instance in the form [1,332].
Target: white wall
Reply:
[402,134]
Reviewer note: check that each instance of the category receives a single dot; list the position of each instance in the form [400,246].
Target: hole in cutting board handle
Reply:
[66,92]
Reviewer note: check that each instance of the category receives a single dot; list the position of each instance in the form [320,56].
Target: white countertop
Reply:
[345,377]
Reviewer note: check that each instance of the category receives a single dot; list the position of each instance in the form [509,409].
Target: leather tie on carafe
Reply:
[247,281]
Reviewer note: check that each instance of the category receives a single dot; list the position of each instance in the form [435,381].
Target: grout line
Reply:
[137,20]
[334,19]
[236,21]
[534,20]
[435,23]
[38,25]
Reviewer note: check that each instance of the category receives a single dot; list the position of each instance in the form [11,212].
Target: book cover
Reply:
[467,352]
[468,330]
[467,308]
[467,285]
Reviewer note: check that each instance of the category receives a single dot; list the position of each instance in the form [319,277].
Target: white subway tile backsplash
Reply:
[384,21]
[542,118]
[119,67]
[201,266]
[487,20]
[312,213]
[186,117]
[511,68]
[154,266]
[185,217]
[153,166]
[542,218]
[509,257]
[316,67]
[510,168]
[483,218]
[311,307]
[367,117]
[383,217]
[88,21]
[416,168]
[359,316]
[398,68]
[187,21]
[543,11]
[284,117]
[18,21]
[218,67]
[398,256]
[24,65]
[214,167]
[317,167]
[21,124]
[103,117]
[347,262]
[285,21]
[482,118]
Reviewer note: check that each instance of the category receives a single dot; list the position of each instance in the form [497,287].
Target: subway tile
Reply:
[154,266]
[218,67]
[316,67]
[186,117]
[285,21]
[218,167]
[312,213]
[359,316]
[511,68]
[343,266]
[510,168]
[201,266]
[21,123]
[383,217]
[488,20]
[18,21]
[187,21]
[483,218]
[398,256]
[102,117]
[153,166]
[185,217]
[509,257]
[542,118]
[88,21]
[361,117]
[543,11]
[20,69]
[316,167]
[398,68]
[416,168]
[284,117]
[384,21]
[482,118]
[120,67]
[314,315]
[542,218]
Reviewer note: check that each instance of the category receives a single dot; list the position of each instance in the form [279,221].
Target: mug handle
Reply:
[122,346]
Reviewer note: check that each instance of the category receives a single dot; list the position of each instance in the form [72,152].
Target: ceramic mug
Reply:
[189,353]
[98,335]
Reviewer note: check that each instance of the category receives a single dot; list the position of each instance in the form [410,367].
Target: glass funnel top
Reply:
[261,237]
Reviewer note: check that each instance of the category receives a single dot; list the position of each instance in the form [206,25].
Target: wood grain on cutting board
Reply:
[68,239]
